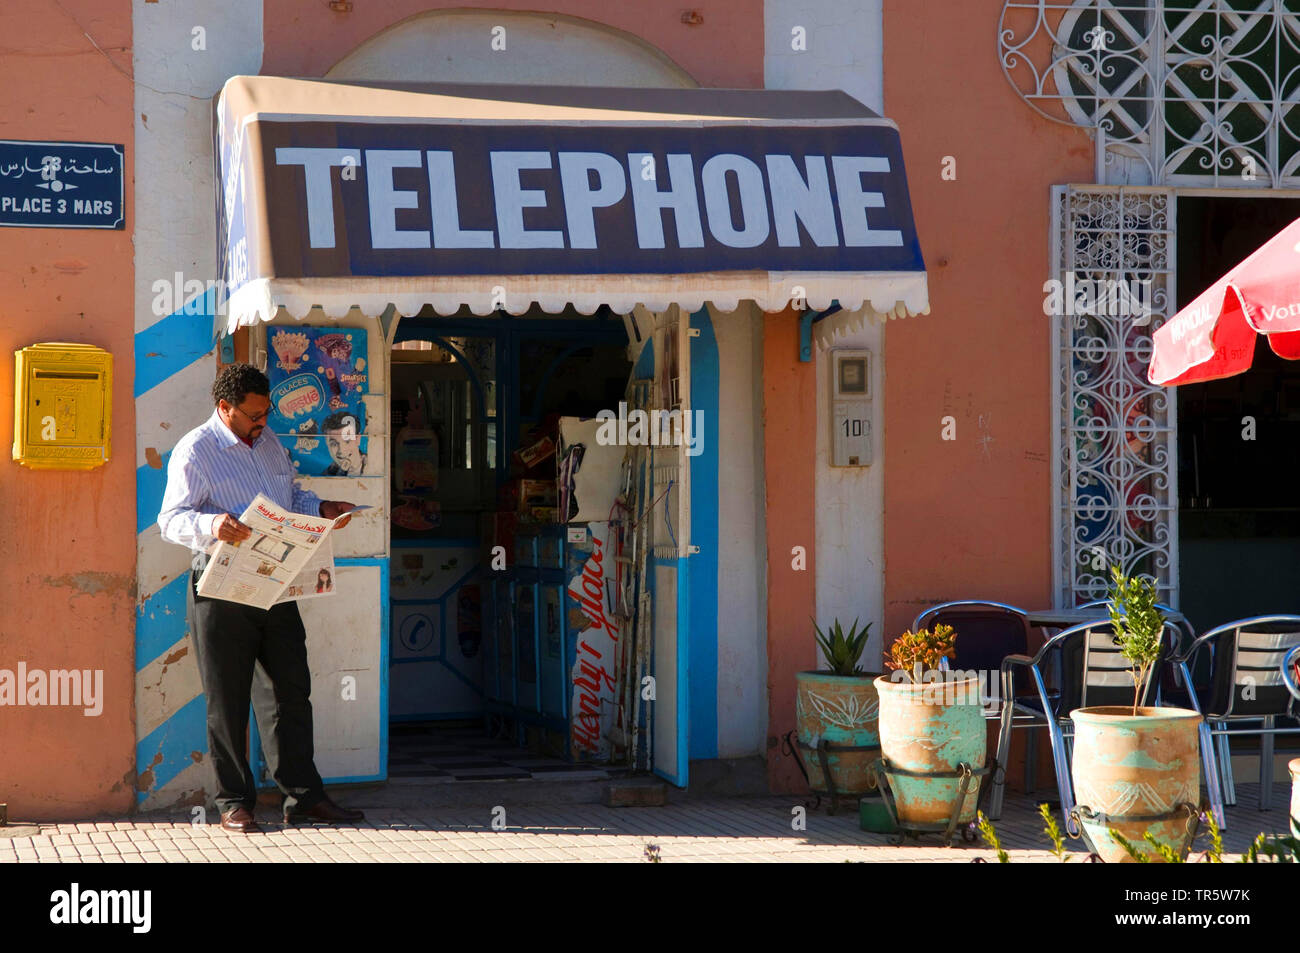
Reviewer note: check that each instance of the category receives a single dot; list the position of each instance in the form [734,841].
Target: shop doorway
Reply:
[475,408]
[1238,439]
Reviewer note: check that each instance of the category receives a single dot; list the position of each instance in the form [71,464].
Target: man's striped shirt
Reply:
[212,471]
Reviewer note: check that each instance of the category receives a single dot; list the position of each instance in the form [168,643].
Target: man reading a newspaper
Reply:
[215,471]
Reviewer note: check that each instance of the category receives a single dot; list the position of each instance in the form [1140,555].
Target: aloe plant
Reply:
[842,651]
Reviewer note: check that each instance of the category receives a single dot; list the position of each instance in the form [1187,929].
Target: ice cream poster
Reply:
[318,379]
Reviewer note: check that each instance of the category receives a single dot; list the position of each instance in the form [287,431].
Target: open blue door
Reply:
[670,536]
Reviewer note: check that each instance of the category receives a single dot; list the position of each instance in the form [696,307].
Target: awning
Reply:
[336,195]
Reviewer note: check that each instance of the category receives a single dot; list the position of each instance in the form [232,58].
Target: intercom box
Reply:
[850,407]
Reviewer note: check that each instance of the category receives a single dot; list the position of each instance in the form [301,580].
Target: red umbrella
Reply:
[1214,336]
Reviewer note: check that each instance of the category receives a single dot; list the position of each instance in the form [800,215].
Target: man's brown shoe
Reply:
[324,810]
[240,820]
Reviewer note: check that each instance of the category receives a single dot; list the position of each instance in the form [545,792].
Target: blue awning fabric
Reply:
[336,195]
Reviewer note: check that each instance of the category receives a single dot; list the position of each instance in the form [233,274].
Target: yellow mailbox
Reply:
[62,406]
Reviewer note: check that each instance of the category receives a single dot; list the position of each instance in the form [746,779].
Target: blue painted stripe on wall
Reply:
[160,622]
[703,566]
[162,351]
[150,484]
[166,751]
[165,349]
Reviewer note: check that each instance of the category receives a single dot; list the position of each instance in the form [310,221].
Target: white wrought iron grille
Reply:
[1199,93]
[1114,479]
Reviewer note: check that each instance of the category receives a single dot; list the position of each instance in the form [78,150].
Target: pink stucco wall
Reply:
[725,49]
[67,539]
[790,463]
[969,518]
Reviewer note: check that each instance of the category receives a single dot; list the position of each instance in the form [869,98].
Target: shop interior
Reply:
[476,676]
[1238,508]
[1238,445]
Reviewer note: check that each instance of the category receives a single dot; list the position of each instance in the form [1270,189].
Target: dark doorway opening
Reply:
[472,400]
[1238,439]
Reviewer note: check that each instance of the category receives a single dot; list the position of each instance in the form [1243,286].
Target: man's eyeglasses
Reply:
[258,419]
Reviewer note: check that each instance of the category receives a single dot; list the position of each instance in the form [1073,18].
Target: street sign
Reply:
[61,185]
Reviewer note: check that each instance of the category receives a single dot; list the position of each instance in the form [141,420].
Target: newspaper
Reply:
[316,578]
[288,556]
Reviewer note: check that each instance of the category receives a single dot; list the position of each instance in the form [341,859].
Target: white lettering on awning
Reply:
[717,201]
[316,165]
[512,198]
[580,198]
[794,198]
[385,199]
[445,207]
[854,201]
[805,199]
[649,201]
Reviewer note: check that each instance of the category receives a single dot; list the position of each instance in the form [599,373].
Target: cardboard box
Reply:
[529,457]
[523,495]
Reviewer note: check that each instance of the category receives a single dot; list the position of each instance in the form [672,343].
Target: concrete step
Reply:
[418,793]
[635,792]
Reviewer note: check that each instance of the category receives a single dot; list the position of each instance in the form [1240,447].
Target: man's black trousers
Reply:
[245,652]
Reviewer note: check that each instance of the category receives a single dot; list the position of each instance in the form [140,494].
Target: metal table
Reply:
[1064,618]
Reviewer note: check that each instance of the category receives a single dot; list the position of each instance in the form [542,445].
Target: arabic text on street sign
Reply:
[61,185]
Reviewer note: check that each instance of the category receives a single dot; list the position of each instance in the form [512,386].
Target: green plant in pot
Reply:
[1136,769]
[931,723]
[836,709]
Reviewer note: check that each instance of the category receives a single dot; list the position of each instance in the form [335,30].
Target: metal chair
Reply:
[1291,671]
[987,632]
[1248,685]
[1093,672]
[1172,684]
[1186,630]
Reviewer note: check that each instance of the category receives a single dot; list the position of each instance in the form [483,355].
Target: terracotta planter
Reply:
[1134,766]
[841,709]
[1294,767]
[931,727]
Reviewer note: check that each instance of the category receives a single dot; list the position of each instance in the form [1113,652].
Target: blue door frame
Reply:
[697,574]
[702,571]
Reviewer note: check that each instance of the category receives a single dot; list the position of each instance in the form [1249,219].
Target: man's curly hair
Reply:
[237,381]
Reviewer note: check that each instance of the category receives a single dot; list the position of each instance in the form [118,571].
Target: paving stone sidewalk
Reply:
[739,829]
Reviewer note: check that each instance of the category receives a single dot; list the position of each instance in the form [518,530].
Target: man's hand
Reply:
[226,527]
[333,509]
